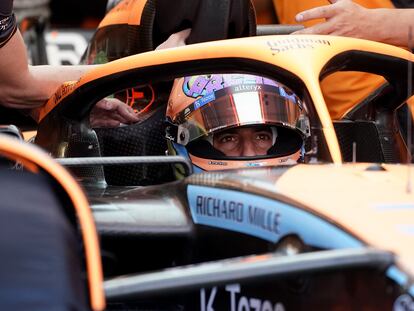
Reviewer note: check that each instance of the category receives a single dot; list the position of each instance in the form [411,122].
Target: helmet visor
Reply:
[240,105]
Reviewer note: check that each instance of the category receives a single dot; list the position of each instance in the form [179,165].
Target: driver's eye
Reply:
[263,136]
[228,139]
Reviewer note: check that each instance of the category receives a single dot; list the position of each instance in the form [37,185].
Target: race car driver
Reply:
[223,121]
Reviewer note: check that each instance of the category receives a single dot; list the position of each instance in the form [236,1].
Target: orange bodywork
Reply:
[342,90]
[33,158]
[363,212]
[126,12]
[303,55]
[375,206]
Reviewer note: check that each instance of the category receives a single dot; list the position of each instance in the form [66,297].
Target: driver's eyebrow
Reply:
[230,131]
[262,129]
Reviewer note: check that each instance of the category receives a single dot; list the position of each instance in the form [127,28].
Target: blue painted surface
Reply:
[182,151]
[397,275]
[263,218]
[204,100]
[411,290]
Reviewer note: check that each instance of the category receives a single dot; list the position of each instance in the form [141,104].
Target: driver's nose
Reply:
[249,149]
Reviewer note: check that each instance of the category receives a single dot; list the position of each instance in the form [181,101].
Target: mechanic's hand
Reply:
[111,112]
[343,18]
[175,40]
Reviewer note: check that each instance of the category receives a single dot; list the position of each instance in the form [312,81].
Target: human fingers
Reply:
[335,1]
[127,113]
[111,112]
[318,29]
[325,11]
[175,40]
[118,109]
[108,123]
[103,121]
[105,104]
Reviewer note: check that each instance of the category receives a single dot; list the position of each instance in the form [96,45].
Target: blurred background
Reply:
[56,32]
[63,13]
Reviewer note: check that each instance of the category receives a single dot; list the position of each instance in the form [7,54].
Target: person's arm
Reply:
[23,86]
[52,77]
[346,18]
[27,87]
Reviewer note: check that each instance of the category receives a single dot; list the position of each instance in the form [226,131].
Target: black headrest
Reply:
[209,19]
[158,19]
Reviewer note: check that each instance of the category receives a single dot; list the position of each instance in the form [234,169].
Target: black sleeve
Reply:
[8,23]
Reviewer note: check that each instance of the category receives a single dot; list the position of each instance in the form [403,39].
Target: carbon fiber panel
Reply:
[365,135]
[83,142]
[143,138]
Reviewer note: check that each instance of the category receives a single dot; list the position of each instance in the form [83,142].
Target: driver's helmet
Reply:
[224,121]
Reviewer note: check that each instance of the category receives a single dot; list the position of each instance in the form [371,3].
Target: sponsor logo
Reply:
[206,84]
[247,88]
[237,300]
[204,100]
[252,217]
[187,111]
[64,90]
[217,163]
[256,164]
[261,217]
[404,303]
[284,45]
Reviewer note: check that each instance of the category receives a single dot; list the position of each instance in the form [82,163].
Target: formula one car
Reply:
[333,232]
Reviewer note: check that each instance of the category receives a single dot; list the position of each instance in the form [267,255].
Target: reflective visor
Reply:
[239,105]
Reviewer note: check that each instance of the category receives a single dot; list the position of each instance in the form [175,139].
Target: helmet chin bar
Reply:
[212,165]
